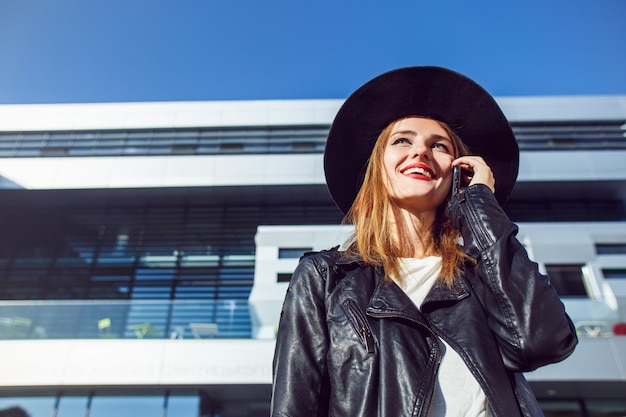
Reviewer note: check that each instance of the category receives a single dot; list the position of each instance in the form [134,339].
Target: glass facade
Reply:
[198,405]
[580,408]
[148,271]
[263,140]
[94,405]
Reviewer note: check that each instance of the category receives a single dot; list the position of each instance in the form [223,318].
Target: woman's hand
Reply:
[479,171]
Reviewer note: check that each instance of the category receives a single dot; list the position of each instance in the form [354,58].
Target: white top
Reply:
[457,393]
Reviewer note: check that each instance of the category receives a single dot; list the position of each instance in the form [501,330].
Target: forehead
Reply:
[420,125]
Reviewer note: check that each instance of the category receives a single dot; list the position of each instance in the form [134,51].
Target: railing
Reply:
[124,319]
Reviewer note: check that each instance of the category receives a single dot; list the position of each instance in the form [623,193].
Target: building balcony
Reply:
[124,319]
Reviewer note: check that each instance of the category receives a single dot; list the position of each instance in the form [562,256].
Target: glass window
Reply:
[159,150]
[614,273]
[33,406]
[567,280]
[109,283]
[281,277]
[606,408]
[63,284]
[231,147]
[155,275]
[152,292]
[238,260]
[108,151]
[27,152]
[561,408]
[144,406]
[72,406]
[142,252]
[182,406]
[611,248]
[292,253]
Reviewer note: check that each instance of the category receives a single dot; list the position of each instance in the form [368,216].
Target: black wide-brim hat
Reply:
[433,92]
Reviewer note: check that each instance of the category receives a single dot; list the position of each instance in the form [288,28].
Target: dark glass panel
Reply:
[611,248]
[292,253]
[606,408]
[614,273]
[567,280]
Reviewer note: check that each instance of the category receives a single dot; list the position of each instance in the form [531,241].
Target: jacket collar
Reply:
[388,299]
[440,292]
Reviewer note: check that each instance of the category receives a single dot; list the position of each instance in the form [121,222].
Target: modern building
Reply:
[145,248]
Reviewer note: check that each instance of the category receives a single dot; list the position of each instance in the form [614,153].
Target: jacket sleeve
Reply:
[524,311]
[300,386]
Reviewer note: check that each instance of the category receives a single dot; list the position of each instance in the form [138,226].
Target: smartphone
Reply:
[456,180]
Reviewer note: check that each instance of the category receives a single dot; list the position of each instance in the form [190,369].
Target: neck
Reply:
[414,233]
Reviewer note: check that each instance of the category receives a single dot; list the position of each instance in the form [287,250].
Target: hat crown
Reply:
[426,91]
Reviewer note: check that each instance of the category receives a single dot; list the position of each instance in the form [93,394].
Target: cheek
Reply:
[388,169]
[389,165]
[388,160]
[446,174]
[444,163]
[387,182]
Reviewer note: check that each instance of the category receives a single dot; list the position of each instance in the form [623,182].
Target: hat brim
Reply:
[433,92]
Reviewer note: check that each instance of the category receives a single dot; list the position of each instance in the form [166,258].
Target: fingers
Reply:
[478,171]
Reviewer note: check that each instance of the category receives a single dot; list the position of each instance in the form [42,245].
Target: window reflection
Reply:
[33,406]
[187,405]
[568,280]
[561,408]
[126,406]
[70,406]
[15,411]
[606,408]
[183,406]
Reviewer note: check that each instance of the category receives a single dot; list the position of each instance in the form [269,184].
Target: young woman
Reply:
[433,308]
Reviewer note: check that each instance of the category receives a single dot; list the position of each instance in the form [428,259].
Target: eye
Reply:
[441,146]
[401,141]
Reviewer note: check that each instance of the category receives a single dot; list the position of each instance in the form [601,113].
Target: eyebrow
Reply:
[414,133]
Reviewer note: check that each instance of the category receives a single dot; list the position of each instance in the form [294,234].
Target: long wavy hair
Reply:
[381,235]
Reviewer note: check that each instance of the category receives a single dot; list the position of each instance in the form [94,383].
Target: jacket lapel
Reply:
[440,292]
[388,300]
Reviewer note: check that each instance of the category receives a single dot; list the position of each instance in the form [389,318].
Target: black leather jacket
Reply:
[351,343]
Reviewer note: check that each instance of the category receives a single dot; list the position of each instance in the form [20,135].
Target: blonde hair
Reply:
[376,218]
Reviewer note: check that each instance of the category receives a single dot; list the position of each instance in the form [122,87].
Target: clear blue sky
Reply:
[154,50]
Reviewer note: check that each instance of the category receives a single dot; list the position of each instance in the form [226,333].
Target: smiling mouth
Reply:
[418,171]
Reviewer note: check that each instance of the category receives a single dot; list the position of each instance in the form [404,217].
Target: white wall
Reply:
[135,362]
[547,243]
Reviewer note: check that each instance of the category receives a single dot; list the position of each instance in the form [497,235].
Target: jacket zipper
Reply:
[359,322]
[467,362]
[439,357]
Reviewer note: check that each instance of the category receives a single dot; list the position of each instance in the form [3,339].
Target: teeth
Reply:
[420,171]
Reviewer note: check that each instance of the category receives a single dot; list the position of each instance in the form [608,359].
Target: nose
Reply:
[420,150]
